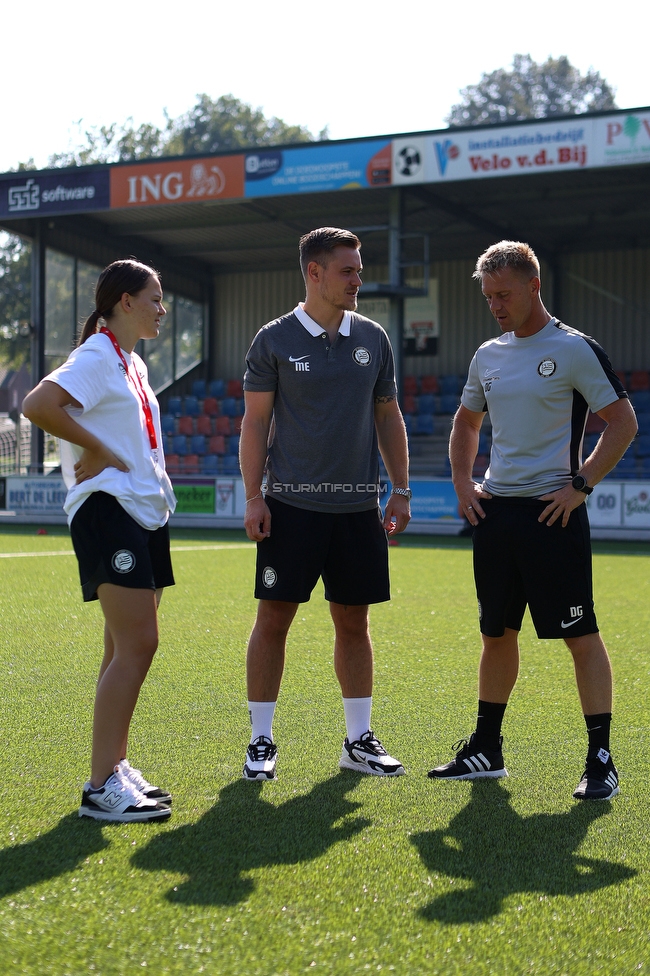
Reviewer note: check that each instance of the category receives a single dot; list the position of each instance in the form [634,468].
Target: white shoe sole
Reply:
[346,763]
[111,817]
[479,774]
[251,775]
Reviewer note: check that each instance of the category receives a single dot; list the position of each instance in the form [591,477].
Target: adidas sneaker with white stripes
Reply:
[472,762]
[600,778]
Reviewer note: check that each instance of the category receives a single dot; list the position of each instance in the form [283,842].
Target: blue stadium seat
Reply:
[198,444]
[174,406]
[229,407]
[484,443]
[179,445]
[210,464]
[217,389]
[168,447]
[641,401]
[198,389]
[233,445]
[167,424]
[449,386]
[410,422]
[642,446]
[449,403]
[230,464]
[426,403]
[191,406]
[643,420]
[425,423]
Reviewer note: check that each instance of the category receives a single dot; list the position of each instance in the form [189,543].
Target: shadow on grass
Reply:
[502,854]
[58,851]
[243,831]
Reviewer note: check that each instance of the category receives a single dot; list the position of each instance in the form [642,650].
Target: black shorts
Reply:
[112,548]
[519,560]
[349,550]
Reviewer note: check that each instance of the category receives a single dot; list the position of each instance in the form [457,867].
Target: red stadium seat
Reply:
[217,444]
[410,386]
[222,426]
[594,424]
[172,463]
[190,464]
[410,404]
[204,425]
[429,384]
[639,380]
[211,406]
[236,425]
[235,389]
[186,426]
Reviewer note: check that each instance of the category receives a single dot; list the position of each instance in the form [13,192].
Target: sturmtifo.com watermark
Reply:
[325,487]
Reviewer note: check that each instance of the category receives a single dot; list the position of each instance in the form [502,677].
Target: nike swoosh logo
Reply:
[297,359]
[570,623]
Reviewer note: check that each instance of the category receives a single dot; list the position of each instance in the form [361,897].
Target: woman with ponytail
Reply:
[119,500]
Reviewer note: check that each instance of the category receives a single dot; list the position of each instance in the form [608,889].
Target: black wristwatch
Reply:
[580,484]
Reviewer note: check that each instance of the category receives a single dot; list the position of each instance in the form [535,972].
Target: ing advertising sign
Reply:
[181,181]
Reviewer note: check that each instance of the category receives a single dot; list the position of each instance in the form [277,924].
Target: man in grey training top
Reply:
[537,380]
[321,382]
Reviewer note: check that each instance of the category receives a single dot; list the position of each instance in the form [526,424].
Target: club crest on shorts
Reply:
[361,356]
[547,367]
[269,577]
[123,561]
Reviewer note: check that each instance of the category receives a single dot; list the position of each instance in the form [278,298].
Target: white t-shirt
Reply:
[112,411]
[538,391]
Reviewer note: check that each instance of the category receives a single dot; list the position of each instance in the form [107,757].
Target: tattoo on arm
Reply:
[384,399]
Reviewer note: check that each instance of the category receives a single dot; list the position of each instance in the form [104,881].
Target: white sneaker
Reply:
[135,776]
[119,801]
[261,757]
[367,755]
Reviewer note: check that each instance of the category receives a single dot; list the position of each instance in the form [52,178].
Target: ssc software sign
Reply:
[32,194]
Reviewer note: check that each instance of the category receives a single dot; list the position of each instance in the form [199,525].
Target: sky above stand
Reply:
[368,69]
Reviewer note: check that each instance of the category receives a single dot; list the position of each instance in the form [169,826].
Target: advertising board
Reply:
[310,169]
[33,194]
[181,181]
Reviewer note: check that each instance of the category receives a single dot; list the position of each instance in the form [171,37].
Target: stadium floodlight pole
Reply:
[395,281]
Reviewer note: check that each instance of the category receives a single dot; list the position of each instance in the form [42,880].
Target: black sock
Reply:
[598,730]
[488,723]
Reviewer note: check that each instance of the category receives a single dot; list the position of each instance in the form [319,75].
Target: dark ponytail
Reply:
[119,277]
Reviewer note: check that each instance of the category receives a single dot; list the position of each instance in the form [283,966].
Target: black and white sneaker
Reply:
[367,755]
[261,757]
[119,801]
[600,778]
[135,776]
[472,762]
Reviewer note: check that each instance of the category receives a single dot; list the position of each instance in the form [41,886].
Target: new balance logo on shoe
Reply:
[111,799]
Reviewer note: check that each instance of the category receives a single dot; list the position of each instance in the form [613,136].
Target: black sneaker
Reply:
[600,778]
[472,762]
[261,757]
[367,755]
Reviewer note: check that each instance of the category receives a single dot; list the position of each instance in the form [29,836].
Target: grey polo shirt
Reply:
[324,451]
[538,391]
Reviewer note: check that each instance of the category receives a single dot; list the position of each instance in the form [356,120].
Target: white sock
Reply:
[261,714]
[357,716]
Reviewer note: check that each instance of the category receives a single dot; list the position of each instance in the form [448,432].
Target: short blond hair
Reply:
[515,255]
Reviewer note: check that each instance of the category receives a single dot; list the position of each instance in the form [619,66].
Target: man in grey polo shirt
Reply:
[537,380]
[320,401]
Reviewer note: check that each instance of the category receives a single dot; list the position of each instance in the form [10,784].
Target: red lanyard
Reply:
[139,389]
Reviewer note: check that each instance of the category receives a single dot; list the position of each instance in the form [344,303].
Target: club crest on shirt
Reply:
[547,367]
[361,356]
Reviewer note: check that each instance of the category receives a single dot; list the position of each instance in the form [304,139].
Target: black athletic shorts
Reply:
[348,549]
[112,548]
[519,560]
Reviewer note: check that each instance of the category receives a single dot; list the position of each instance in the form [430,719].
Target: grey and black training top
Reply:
[538,391]
[324,450]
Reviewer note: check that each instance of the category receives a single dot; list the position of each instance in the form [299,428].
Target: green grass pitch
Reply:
[322,871]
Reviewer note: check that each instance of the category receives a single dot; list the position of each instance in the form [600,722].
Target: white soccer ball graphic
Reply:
[408,161]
